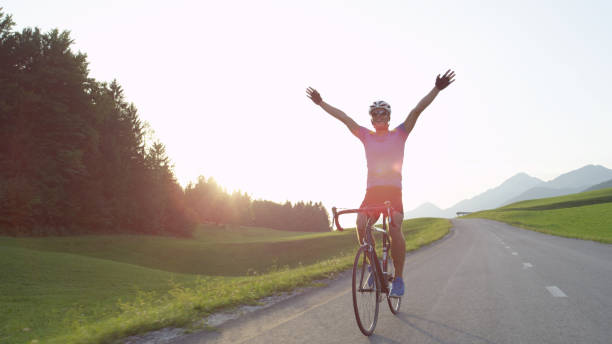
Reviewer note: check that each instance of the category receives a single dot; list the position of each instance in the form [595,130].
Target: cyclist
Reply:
[384,150]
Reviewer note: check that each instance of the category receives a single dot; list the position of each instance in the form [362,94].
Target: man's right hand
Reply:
[314,95]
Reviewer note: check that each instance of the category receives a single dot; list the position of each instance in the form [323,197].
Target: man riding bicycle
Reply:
[384,150]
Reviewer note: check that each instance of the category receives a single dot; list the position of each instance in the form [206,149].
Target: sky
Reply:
[222,84]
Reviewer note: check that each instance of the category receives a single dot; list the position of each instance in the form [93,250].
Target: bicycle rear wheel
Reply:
[365,297]
[394,302]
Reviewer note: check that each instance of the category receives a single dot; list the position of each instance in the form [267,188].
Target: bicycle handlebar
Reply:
[337,213]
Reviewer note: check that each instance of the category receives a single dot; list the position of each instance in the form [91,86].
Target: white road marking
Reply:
[514,254]
[555,291]
[527,265]
[507,246]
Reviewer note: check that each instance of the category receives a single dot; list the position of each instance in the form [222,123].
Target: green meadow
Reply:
[214,250]
[586,215]
[97,289]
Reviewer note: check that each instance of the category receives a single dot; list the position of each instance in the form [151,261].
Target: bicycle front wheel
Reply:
[366,292]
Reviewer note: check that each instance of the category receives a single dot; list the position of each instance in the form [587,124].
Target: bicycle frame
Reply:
[368,240]
[366,312]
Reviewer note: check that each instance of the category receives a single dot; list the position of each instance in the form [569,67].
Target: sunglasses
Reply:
[379,112]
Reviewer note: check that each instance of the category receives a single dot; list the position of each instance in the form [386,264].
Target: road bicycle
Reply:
[372,277]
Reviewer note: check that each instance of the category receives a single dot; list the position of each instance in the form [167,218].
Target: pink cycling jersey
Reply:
[385,155]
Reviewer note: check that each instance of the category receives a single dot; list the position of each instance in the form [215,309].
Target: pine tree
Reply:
[72,153]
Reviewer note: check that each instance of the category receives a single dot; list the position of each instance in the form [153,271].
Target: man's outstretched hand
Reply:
[314,95]
[445,80]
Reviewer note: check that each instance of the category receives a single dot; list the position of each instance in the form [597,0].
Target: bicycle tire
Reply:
[394,302]
[365,300]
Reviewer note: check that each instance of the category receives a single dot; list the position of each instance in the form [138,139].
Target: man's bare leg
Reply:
[362,222]
[398,244]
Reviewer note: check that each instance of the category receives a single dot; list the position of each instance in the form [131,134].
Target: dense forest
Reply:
[73,156]
[213,204]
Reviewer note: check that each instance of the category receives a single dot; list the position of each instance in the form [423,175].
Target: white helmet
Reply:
[380,104]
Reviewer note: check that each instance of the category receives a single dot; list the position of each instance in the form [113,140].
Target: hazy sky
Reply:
[223,83]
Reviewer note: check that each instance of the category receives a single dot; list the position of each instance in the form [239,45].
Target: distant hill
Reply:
[542,192]
[489,199]
[604,185]
[426,210]
[584,177]
[496,197]
[567,183]
[522,187]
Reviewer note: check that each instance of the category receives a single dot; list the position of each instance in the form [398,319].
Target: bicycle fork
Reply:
[377,269]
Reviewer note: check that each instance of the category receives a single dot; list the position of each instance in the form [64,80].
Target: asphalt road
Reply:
[486,282]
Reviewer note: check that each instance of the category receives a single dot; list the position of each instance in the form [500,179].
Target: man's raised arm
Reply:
[441,83]
[344,118]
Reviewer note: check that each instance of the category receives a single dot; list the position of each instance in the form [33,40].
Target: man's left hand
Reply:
[445,80]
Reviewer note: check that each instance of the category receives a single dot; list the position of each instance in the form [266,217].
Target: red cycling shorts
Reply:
[377,195]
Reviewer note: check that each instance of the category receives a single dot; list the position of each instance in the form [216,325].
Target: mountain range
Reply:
[522,187]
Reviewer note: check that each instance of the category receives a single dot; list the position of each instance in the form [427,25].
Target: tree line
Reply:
[210,203]
[74,157]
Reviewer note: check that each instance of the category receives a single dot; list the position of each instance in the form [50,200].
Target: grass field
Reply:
[586,215]
[220,251]
[95,289]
